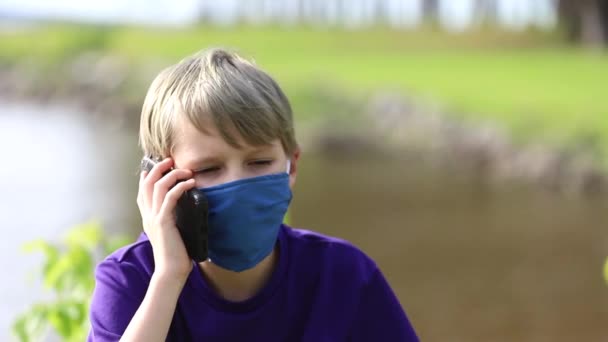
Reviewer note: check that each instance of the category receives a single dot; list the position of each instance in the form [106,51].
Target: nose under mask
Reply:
[245,217]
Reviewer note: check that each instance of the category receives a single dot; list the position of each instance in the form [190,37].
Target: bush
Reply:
[67,272]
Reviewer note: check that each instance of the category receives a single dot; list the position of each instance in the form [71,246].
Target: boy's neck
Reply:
[240,286]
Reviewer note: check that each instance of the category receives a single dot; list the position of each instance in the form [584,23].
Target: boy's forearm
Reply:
[152,320]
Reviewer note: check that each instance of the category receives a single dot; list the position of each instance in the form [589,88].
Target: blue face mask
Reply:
[244,219]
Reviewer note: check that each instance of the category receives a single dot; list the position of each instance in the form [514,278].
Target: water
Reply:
[59,168]
[468,263]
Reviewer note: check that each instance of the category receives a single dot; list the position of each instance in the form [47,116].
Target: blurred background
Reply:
[461,144]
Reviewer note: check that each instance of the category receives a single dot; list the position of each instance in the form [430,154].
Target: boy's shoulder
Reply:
[314,239]
[317,250]
[136,256]
[306,249]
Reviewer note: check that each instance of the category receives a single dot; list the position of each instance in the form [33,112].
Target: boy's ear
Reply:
[293,171]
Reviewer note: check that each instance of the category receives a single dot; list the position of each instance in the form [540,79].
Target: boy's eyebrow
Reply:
[259,149]
[202,161]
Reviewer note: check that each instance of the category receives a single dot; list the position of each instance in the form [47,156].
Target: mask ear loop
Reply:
[288,165]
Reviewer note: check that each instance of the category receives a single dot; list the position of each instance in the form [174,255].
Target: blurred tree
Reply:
[430,10]
[310,10]
[586,21]
[485,11]
[380,10]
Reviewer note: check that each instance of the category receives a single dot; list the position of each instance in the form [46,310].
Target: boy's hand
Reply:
[156,200]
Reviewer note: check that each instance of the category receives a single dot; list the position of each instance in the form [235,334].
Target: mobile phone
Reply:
[191,218]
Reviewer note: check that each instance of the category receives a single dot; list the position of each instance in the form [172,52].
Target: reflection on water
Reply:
[467,263]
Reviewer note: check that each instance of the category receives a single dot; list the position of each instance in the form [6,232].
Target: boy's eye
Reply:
[207,170]
[260,162]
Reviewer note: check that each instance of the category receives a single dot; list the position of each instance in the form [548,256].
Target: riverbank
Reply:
[512,106]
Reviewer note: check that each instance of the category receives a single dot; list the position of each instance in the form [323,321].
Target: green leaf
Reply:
[79,312]
[38,319]
[88,235]
[60,320]
[30,325]
[68,271]
[55,279]
[51,254]
[19,329]
[48,249]
[82,269]
[115,243]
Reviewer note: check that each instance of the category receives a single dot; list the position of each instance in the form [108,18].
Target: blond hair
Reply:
[218,87]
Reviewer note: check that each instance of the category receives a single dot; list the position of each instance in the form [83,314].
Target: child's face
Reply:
[213,161]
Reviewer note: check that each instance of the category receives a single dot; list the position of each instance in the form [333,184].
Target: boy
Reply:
[225,127]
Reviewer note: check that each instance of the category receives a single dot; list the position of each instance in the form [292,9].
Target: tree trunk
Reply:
[592,34]
[585,21]
[485,11]
[379,16]
[603,12]
[430,10]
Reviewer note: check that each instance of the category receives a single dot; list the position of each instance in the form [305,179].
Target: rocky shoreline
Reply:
[425,133]
[105,87]
[484,150]
[102,86]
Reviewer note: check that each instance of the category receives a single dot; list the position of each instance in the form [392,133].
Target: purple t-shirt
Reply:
[323,289]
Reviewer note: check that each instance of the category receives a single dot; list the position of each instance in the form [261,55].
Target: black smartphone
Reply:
[190,218]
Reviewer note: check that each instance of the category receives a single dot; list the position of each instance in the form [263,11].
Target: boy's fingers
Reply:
[174,194]
[156,173]
[150,178]
[142,176]
[164,184]
[140,202]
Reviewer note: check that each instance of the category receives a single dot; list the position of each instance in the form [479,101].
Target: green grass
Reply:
[530,82]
